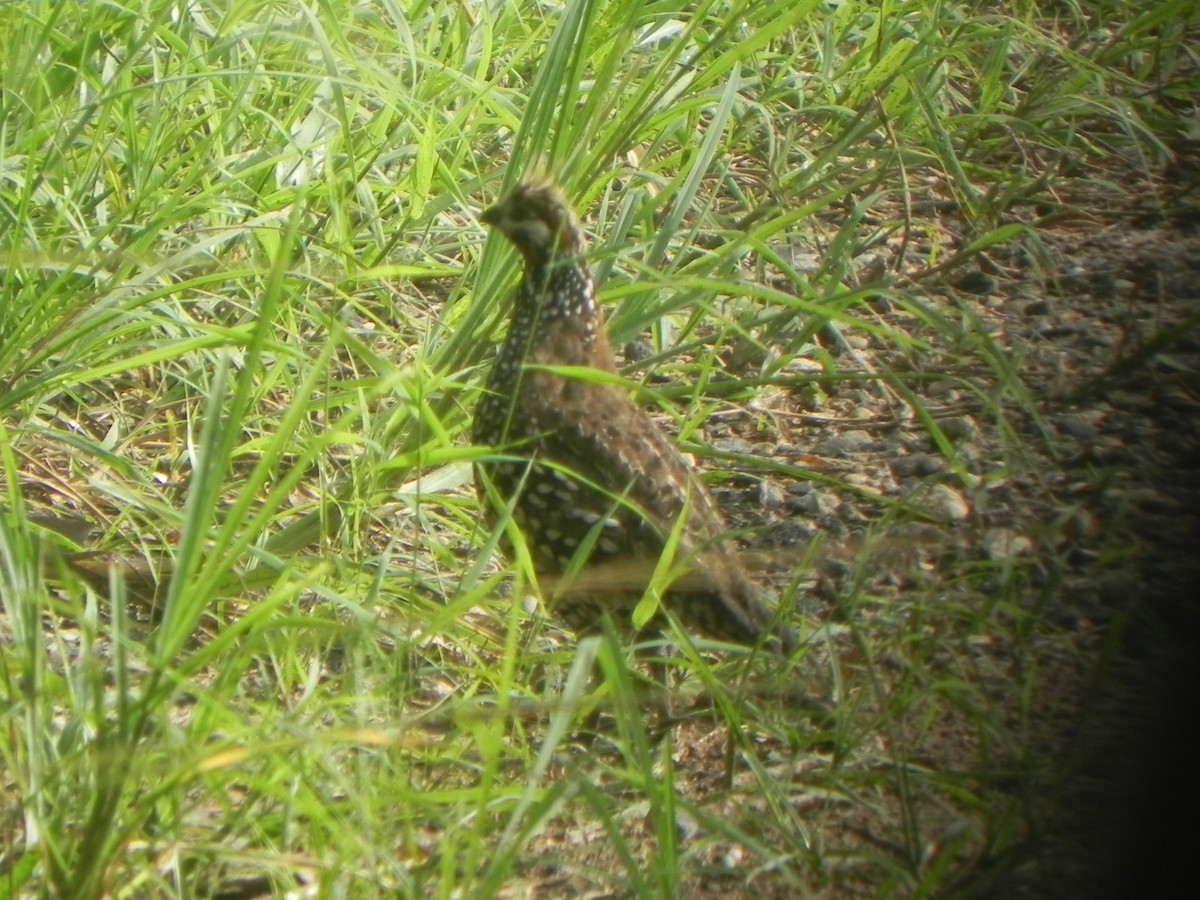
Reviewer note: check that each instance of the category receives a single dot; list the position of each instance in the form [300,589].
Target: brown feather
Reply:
[592,469]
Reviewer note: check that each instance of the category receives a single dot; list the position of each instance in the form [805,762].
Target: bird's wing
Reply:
[606,439]
[598,432]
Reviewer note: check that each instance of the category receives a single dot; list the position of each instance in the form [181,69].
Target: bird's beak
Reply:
[492,215]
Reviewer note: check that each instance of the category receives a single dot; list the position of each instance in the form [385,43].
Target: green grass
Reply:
[245,309]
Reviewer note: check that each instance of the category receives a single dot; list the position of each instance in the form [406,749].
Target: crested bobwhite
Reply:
[585,471]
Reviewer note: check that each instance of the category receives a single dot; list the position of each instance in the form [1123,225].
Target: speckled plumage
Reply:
[583,466]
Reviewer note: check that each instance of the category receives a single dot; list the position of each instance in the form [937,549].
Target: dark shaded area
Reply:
[1122,821]
[1131,809]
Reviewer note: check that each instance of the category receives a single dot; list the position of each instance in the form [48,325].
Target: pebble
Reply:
[771,494]
[943,503]
[958,428]
[734,445]
[637,350]
[976,282]
[1004,543]
[841,444]
[917,465]
[819,504]
[1080,429]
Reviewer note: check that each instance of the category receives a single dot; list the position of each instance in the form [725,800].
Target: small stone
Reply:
[917,465]
[819,505]
[943,503]
[687,826]
[869,269]
[790,532]
[976,282]
[1079,429]
[737,445]
[638,350]
[946,390]
[770,494]
[1004,543]
[841,444]
[958,428]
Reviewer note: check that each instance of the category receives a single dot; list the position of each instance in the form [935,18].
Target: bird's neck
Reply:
[556,319]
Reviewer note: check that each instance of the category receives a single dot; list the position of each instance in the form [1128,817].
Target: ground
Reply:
[1098,316]
[1018,731]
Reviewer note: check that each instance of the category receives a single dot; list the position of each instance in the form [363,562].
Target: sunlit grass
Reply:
[245,309]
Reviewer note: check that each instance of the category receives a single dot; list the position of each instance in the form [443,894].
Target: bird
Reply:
[595,486]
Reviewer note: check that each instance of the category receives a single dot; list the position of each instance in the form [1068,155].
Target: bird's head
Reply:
[538,220]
